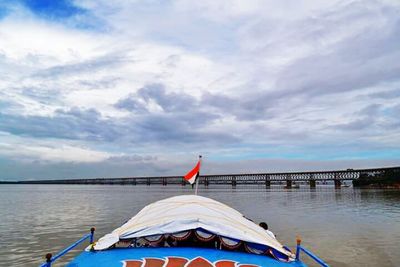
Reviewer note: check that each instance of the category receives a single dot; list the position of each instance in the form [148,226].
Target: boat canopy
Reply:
[188,212]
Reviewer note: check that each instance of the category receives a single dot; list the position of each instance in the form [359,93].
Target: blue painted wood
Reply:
[311,255]
[69,248]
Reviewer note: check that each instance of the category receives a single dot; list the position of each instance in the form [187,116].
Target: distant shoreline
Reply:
[390,179]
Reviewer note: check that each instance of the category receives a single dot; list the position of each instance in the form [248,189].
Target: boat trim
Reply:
[49,257]
[299,248]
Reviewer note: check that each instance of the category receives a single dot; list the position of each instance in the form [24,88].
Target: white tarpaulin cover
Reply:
[187,212]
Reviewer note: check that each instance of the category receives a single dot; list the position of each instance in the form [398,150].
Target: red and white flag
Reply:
[193,174]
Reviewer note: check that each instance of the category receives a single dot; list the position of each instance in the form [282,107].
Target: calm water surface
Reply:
[346,227]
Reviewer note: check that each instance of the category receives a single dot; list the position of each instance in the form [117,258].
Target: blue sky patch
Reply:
[3,10]
[53,9]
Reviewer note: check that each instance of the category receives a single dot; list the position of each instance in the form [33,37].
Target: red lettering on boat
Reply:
[176,262]
[182,262]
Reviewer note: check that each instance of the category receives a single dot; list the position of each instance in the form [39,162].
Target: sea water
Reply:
[345,227]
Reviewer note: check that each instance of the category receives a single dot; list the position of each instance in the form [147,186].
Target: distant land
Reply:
[388,179]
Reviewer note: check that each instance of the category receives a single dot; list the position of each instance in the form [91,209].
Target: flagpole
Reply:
[198,178]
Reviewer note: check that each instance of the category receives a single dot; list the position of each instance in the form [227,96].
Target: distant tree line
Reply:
[388,178]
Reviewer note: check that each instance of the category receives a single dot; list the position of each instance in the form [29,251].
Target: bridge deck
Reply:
[233,179]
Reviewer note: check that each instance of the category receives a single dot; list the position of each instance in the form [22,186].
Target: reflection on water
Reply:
[346,227]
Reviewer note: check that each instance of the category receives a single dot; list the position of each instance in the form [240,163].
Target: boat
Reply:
[186,231]
[295,186]
[345,185]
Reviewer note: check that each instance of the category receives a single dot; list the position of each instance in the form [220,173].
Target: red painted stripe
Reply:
[176,262]
[133,263]
[154,262]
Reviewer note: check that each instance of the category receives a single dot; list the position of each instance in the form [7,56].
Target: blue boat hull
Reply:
[175,257]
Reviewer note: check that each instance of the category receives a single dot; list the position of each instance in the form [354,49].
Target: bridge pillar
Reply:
[206,182]
[148,181]
[313,183]
[338,183]
[267,181]
[164,181]
[288,183]
[233,181]
[183,182]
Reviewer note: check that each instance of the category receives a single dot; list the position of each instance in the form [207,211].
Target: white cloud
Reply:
[293,74]
[22,150]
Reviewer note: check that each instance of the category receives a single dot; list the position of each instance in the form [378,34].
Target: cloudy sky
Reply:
[121,88]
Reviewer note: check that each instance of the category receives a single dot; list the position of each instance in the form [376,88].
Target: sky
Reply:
[139,88]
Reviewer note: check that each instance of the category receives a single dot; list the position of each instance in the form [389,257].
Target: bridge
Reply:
[263,179]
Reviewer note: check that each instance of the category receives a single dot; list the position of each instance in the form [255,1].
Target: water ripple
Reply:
[347,227]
